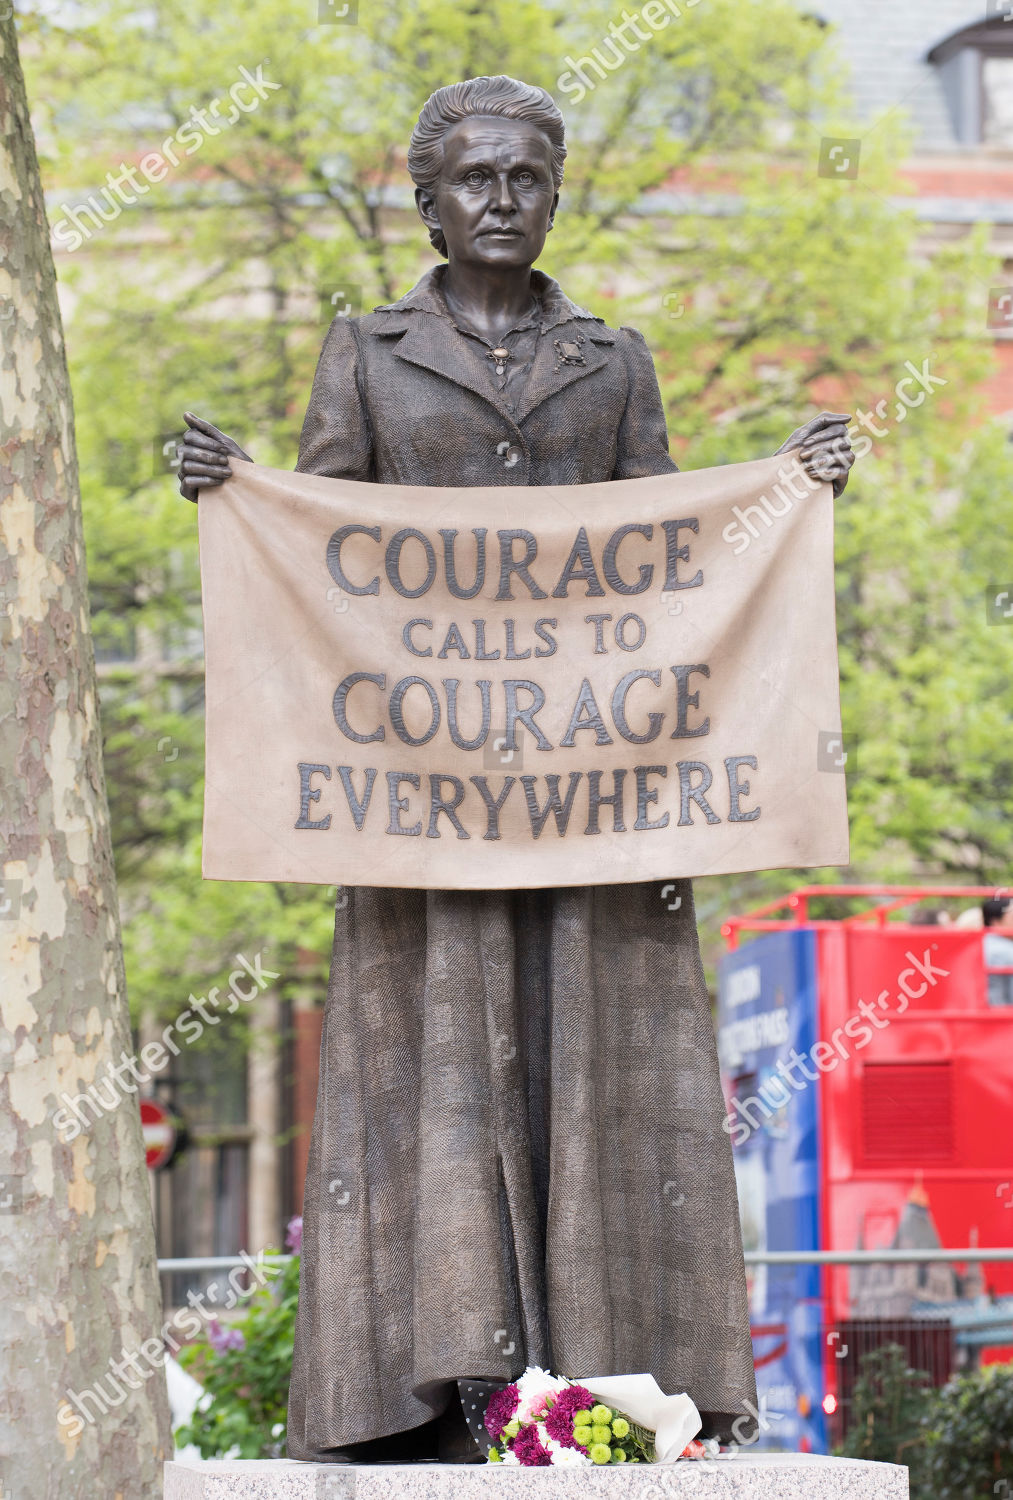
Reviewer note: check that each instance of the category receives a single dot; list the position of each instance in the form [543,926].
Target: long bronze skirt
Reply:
[517,1158]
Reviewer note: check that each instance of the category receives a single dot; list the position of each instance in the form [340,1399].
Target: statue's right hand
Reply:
[204,457]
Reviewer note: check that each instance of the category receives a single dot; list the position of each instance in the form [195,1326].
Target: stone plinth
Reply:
[761,1476]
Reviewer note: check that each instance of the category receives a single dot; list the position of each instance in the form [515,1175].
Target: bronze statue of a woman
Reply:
[518,1155]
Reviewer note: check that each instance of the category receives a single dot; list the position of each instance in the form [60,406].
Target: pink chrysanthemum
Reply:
[559,1418]
[500,1411]
[527,1446]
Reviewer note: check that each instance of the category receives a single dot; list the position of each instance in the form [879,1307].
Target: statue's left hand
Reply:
[824,448]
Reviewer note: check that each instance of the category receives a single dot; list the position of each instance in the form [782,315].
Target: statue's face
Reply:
[495,198]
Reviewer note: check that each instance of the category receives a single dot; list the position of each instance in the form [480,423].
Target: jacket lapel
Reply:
[565,353]
[430,343]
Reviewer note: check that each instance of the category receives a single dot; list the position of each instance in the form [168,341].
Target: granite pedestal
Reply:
[766,1476]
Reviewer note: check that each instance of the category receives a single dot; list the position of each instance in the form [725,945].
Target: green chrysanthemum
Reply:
[584,1436]
[618,1456]
[601,1433]
[582,1419]
[620,1427]
[600,1453]
[601,1414]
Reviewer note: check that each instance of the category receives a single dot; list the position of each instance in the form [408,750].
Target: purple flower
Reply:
[527,1446]
[500,1410]
[293,1235]
[559,1417]
[222,1339]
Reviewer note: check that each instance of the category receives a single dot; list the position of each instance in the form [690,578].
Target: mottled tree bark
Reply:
[78,1282]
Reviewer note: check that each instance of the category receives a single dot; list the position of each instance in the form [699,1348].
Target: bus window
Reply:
[997,947]
[998,953]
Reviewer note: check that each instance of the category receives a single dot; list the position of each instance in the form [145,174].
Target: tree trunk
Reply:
[78,1282]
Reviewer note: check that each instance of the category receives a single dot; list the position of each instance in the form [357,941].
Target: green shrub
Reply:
[890,1404]
[957,1442]
[245,1369]
[969,1452]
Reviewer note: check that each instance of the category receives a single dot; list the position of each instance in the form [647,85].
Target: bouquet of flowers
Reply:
[542,1420]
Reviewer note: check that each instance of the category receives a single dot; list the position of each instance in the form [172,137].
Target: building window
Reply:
[997,100]
[976,71]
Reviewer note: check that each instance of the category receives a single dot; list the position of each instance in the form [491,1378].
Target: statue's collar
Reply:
[427,296]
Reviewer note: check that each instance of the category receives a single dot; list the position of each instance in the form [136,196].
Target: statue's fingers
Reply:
[823,451]
[828,438]
[830,432]
[208,428]
[197,442]
[206,471]
[839,447]
[190,453]
[201,440]
[830,419]
[824,465]
[203,481]
[826,421]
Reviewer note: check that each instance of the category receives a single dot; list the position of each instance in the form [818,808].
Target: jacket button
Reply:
[510,453]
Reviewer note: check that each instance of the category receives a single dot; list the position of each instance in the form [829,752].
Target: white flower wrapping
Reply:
[674,1420]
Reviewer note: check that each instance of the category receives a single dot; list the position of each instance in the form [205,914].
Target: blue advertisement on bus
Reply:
[766,1030]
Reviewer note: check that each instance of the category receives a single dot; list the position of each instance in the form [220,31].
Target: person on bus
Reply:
[998,949]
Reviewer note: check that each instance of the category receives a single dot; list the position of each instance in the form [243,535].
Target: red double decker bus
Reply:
[867,1059]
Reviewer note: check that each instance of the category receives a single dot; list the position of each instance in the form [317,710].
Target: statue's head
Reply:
[487,158]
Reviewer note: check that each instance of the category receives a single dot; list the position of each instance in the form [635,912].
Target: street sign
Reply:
[159,1134]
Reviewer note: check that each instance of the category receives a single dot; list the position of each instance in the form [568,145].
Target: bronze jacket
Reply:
[401,397]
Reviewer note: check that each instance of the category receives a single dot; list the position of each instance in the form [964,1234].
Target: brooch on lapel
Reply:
[569,352]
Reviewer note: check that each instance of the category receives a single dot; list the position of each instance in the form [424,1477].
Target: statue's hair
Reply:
[499,95]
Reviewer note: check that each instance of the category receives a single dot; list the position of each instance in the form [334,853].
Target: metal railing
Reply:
[753,1258]
[213,1263]
[873,1257]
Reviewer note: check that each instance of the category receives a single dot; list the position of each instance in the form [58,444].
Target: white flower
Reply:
[565,1458]
[532,1388]
[508,1456]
